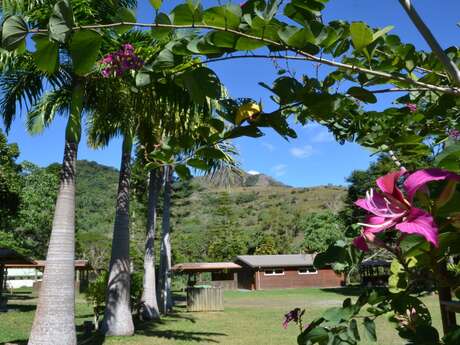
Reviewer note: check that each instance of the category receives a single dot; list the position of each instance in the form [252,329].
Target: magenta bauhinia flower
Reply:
[121,61]
[389,208]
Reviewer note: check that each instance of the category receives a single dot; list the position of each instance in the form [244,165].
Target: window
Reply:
[307,270]
[274,272]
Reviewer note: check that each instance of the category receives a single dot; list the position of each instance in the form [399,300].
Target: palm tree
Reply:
[22,82]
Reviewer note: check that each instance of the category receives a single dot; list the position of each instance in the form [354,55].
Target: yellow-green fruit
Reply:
[247,111]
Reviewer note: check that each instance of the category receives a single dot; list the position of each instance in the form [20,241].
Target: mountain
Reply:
[211,218]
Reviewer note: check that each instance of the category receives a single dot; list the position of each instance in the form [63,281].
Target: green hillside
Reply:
[256,214]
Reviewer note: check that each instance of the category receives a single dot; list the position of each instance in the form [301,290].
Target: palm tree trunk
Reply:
[165,250]
[54,321]
[150,309]
[118,319]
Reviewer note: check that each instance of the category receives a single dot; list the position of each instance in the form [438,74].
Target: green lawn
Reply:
[249,318]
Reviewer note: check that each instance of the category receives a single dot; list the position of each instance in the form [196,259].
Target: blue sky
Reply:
[311,159]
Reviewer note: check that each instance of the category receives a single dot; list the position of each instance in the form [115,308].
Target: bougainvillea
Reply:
[118,63]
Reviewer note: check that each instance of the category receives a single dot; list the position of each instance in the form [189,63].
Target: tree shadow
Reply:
[21,307]
[15,342]
[345,291]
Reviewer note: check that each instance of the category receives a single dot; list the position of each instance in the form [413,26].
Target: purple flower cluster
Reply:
[412,107]
[117,63]
[293,315]
[454,134]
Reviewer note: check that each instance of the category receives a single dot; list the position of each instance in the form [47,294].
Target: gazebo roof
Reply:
[11,257]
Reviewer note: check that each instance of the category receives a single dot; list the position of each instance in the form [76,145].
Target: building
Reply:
[22,277]
[262,272]
[259,272]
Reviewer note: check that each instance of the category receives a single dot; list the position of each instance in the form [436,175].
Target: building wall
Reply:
[292,279]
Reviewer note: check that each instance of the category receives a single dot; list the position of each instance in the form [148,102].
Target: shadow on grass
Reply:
[21,307]
[345,291]
[15,342]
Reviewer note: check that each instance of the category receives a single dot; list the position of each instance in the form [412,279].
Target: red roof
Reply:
[205,266]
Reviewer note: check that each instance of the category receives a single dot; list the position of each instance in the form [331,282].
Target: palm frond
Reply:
[44,111]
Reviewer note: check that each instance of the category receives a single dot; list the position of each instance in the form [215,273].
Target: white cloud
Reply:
[302,152]
[323,136]
[279,170]
[253,172]
[268,146]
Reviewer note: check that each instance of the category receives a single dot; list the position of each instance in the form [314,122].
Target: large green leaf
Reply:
[160,33]
[197,164]
[369,327]
[200,45]
[361,35]
[84,49]
[318,335]
[228,16]
[14,32]
[200,83]
[362,94]
[299,38]
[382,32]
[46,53]
[244,131]
[222,39]
[186,14]
[61,21]
[125,15]
[449,158]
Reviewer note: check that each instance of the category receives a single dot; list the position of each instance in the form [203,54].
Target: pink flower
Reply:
[389,208]
[412,107]
[454,134]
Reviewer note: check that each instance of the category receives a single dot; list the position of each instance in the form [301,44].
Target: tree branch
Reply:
[449,65]
[307,56]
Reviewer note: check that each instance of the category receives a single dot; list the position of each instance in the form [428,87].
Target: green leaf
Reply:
[125,15]
[222,39]
[244,131]
[84,49]
[156,4]
[369,327]
[160,33]
[186,15]
[299,38]
[362,94]
[361,35]
[183,171]
[449,158]
[45,54]
[353,330]
[317,335]
[201,83]
[198,164]
[61,21]
[211,153]
[199,45]
[382,32]
[244,43]
[14,32]
[228,16]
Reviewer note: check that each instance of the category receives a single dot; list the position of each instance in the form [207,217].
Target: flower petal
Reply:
[387,184]
[360,243]
[420,223]
[375,203]
[420,178]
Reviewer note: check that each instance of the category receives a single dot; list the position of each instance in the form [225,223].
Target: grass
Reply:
[249,318]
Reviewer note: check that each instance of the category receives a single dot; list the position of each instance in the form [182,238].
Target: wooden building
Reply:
[375,272]
[223,274]
[258,272]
